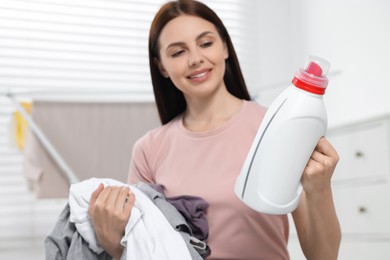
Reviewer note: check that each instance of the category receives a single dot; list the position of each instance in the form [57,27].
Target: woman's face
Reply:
[192,55]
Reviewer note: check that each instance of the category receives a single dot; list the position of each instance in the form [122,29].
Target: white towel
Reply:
[148,234]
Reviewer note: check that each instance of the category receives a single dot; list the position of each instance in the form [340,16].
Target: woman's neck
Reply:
[207,115]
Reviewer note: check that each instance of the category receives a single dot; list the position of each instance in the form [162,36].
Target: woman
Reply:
[209,124]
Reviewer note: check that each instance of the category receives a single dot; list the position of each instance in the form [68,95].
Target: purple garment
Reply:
[193,209]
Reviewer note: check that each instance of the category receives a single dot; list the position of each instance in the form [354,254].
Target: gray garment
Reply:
[198,249]
[64,242]
[193,209]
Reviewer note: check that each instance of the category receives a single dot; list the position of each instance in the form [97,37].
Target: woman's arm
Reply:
[109,210]
[315,218]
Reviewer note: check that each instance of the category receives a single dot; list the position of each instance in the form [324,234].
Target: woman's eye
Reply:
[178,53]
[206,44]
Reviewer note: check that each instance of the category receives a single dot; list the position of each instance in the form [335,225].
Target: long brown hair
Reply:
[170,100]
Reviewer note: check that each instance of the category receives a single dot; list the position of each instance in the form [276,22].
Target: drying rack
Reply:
[13,96]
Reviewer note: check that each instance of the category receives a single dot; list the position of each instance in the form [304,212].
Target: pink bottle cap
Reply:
[313,77]
[314,68]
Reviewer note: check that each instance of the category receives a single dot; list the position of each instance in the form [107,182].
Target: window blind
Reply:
[80,44]
[92,44]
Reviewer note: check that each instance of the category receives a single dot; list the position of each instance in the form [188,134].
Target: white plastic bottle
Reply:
[270,180]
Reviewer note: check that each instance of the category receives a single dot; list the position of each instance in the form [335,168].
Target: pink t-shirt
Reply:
[207,164]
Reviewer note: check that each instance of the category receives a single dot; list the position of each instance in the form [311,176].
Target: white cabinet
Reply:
[364,150]
[361,189]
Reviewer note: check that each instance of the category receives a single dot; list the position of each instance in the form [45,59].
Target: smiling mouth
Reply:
[200,75]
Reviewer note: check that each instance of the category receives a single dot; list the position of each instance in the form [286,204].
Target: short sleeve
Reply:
[139,165]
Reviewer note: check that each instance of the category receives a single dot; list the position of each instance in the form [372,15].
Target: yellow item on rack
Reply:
[20,125]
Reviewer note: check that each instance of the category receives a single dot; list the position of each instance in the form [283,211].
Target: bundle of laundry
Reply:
[157,228]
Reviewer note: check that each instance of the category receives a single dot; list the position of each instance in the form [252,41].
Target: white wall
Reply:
[275,50]
[353,35]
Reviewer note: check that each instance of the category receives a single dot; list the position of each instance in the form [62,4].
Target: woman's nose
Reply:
[195,58]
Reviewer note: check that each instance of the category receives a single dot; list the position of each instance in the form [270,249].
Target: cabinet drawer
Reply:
[363,210]
[364,152]
[378,250]
[363,251]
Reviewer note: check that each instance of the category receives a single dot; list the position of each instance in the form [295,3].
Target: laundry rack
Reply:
[13,96]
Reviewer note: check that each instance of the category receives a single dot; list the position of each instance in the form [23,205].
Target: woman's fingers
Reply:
[316,157]
[327,149]
[319,169]
[110,209]
[114,200]
[129,203]
[94,197]
[124,202]
[122,197]
[324,154]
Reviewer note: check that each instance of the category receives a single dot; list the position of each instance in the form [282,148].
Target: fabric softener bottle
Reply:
[270,180]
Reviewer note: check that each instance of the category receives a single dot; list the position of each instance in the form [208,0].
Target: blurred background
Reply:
[95,52]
